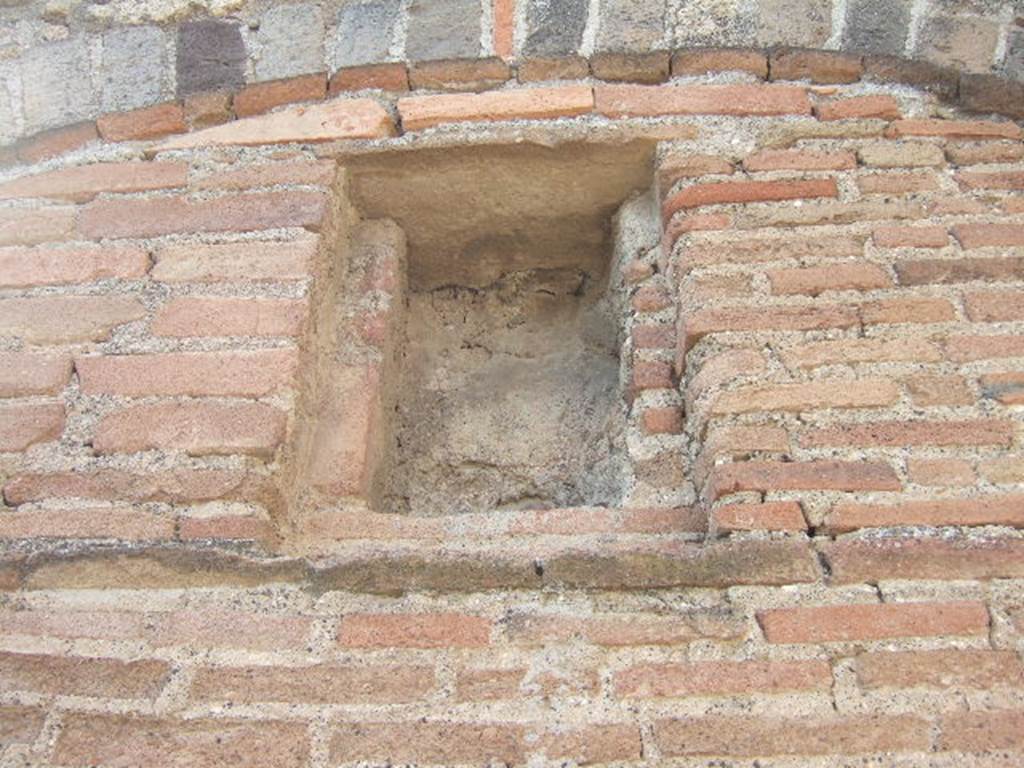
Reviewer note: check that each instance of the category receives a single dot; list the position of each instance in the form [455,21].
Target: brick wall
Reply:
[824,349]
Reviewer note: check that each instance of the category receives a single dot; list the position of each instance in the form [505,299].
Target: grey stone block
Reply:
[798,23]
[965,42]
[132,74]
[443,29]
[631,25]
[554,26]
[8,115]
[364,32]
[289,42]
[211,56]
[1013,64]
[56,84]
[719,23]
[877,26]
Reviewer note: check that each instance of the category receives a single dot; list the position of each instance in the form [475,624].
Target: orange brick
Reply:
[911,237]
[985,510]
[419,112]
[701,61]
[31,267]
[853,351]
[459,74]
[56,142]
[894,434]
[393,78]
[663,421]
[503,14]
[1006,388]
[78,676]
[808,396]
[713,320]
[230,213]
[158,742]
[923,310]
[754,736]
[896,183]
[690,166]
[966,348]
[988,235]
[87,523]
[192,374]
[971,153]
[26,424]
[31,226]
[144,123]
[721,678]
[427,742]
[939,669]
[994,306]
[249,261]
[742,100]
[652,375]
[197,428]
[813,281]
[724,192]
[854,561]
[215,628]
[859,108]
[875,621]
[950,129]
[799,160]
[983,731]
[766,476]
[414,630]
[26,373]
[257,98]
[944,271]
[767,516]
[940,472]
[315,684]
[217,316]
[82,183]
[319,174]
[52,319]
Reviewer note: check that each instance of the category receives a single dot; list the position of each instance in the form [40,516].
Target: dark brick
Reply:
[443,29]
[990,93]
[554,26]
[211,56]
[876,26]
[942,81]
[631,67]
[557,68]
[364,32]
[816,66]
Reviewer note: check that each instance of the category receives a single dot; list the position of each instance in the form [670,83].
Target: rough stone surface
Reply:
[56,84]
[289,42]
[443,29]
[876,26]
[134,62]
[778,25]
[631,25]
[716,23]
[211,56]
[364,33]
[554,27]
[966,43]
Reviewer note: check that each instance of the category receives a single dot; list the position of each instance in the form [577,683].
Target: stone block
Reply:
[289,42]
[776,25]
[364,32]
[133,68]
[877,26]
[965,42]
[58,88]
[1013,64]
[211,56]
[554,26]
[714,23]
[989,93]
[443,29]
[631,25]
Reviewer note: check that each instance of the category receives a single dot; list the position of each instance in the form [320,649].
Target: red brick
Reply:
[988,235]
[701,61]
[504,20]
[808,396]
[757,736]
[315,684]
[619,630]
[157,742]
[488,684]
[87,523]
[911,237]
[230,526]
[813,281]
[31,267]
[208,108]
[877,106]
[800,160]
[84,182]
[630,66]
[783,318]
[31,226]
[197,428]
[966,348]
[874,621]
[985,152]
[393,78]
[192,374]
[742,100]
[419,112]
[767,516]
[817,66]
[991,179]
[20,725]
[652,375]
[651,298]
[721,678]
[726,192]
[724,367]
[601,743]
[144,123]
[27,373]
[689,166]
[52,319]
[427,742]
[986,731]
[938,271]
[654,337]
[319,173]
[80,676]
[895,434]
[821,475]
[248,261]
[854,351]
[922,310]
[56,142]
[994,306]
[939,669]
[25,424]
[257,98]
[663,421]
[940,472]
[1005,510]
[414,630]
[459,74]
[954,129]
[538,69]
[1007,388]
[333,120]
[220,316]
[896,183]
[869,560]
[229,213]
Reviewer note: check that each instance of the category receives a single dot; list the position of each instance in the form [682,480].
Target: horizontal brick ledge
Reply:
[736,100]
[419,112]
